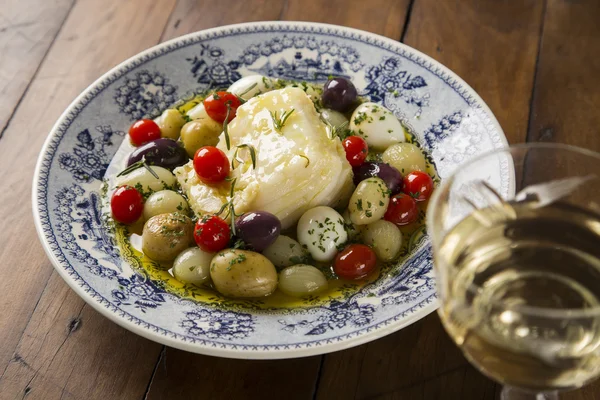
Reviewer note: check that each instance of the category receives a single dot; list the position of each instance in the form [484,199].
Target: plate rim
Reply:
[283,351]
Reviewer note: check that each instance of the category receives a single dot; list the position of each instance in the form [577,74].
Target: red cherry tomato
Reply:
[418,185]
[402,210]
[211,164]
[211,233]
[356,150]
[126,205]
[216,106]
[143,131]
[354,262]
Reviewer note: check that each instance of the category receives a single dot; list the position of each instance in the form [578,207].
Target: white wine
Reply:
[505,284]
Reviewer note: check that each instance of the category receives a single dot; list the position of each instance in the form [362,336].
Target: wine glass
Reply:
[516,241]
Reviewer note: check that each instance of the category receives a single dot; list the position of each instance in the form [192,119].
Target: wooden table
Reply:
[536,63]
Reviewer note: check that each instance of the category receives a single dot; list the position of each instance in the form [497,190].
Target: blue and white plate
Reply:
[448,117]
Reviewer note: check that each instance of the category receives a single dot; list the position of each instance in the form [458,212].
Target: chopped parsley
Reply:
[359,205]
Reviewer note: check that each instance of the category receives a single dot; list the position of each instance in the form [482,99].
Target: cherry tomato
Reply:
[418,185]
[216,106]
[356,150]
[212,233]
[402,210]
[211,164]
[126,205]
[354,262]
[143,131]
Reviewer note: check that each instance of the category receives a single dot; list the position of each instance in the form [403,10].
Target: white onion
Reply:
[405,157]
[148,182]
[385,238]
[302,280]
[285,252]
[192,266]
[164,201]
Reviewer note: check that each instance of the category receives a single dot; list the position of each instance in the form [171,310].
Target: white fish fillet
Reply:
[297,168]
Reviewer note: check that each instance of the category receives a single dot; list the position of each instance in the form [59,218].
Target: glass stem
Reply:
[512,393]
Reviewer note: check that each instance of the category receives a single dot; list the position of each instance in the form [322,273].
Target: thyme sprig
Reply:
[226,126]
[252,155]
[247,90]
[279,121]
[230,208]
[139,164]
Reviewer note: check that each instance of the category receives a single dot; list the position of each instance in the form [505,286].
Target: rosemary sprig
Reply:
[252,155]
[226,126]
[278,121]
[136,165]
[230,208]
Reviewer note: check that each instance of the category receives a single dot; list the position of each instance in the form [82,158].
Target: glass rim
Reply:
[566,313]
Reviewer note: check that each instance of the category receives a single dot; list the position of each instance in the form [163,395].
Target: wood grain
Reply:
[566,100]
[192,15]
[384,17]
[84,49]
[68,349]
[27,28]
[183,375]
[489,43]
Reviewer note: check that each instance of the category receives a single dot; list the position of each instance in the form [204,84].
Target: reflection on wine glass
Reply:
[519,277]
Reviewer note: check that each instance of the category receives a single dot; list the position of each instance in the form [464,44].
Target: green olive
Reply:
[369,201]
[170,123]
[242,273]
[199,133]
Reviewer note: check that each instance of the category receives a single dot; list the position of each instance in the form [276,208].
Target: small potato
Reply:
[170,123]
[285,252]
[369,201]
[405,157]
[193,266]
[166,235]
[199,133]
[385,238]
[141,178]
[163,202]
[242,273]
[302,280]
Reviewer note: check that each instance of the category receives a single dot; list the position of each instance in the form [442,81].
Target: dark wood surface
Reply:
[534,62]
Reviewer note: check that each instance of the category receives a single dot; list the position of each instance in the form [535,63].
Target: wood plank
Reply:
[27,30]
[183,375]
[68,349]
[83,51]
[404,359]
[488,43]
[445,386]
[492,45]
[192,15]
[384,17]
[567,92]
